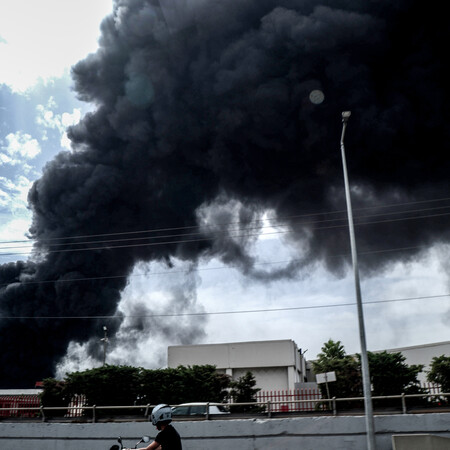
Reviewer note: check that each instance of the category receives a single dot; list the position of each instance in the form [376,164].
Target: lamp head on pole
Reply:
[346,115]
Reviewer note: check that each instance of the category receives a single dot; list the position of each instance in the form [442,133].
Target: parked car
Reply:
[199,409]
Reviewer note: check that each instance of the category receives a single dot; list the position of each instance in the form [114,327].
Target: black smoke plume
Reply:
[205,106]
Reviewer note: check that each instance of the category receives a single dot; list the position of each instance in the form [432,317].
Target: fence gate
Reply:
[291,400]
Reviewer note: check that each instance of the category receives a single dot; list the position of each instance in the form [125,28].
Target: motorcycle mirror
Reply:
[119,440]
[143,439]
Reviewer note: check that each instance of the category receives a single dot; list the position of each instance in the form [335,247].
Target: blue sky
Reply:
[37,49]
[37,104]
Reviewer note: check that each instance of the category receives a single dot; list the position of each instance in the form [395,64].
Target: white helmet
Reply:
[161,413]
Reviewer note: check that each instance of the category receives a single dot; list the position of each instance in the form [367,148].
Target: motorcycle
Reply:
[120,446]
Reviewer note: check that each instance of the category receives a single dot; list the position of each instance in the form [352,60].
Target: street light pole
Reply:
[105,343]
[362,334]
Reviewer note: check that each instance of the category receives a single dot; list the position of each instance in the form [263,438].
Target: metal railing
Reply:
[268,408]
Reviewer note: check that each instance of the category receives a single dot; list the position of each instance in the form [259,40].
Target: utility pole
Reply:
[362,334]
[105,343]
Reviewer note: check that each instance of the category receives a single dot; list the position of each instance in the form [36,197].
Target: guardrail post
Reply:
[146,411]
[207,411]
[93,414]
[404,403]
[334,406]
[42,412]
[269,409]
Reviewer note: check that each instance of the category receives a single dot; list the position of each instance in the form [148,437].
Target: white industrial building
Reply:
[423,354]
[276,365]
[279,364]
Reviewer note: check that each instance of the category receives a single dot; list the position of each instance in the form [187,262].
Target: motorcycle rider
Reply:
[167,438]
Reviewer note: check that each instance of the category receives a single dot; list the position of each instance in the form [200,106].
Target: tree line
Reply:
[389,373]
[112,385]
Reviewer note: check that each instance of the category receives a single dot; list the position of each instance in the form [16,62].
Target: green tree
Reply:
[106,386]
[332,350]
[159,386]
[334,359]
[125,386]
[390,375]
[440,372]
[183,384]
[244,390]
[203,384]
[54,393]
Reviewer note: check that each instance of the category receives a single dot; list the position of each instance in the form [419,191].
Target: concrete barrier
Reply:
[307,433]
[420,442]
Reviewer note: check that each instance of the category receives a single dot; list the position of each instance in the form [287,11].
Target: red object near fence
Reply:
[19,401]
[15,402]
[291,400]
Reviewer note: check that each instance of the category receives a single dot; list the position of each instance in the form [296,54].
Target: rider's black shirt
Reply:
[169,439]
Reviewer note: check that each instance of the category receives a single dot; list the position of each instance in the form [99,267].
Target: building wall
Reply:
[267,378]
[236,354]
[423,354]
[275,364]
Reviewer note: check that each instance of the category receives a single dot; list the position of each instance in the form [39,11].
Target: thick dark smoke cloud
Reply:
[203,112]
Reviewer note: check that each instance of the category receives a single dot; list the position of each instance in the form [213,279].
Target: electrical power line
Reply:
[216,313]
[187,241]
[280,222]
[239,230]
[201,269]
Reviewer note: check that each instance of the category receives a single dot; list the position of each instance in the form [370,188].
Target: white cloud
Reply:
[13,196]
[68,119]
[15,217]
[19,148]
[48,119]
[14,244]
[42,39]
[19,188]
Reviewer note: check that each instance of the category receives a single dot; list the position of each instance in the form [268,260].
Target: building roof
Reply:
[417,347]
[234,343]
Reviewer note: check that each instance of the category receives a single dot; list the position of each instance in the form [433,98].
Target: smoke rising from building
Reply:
[204,120]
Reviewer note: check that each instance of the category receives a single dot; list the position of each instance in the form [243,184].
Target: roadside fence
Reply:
[19,405]
[269,403]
